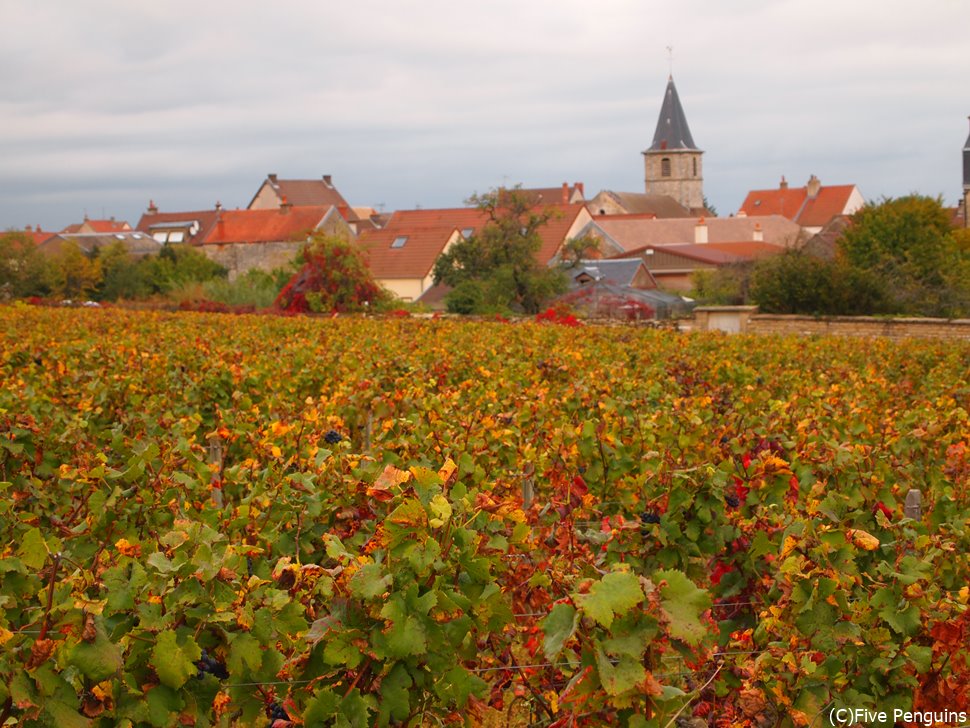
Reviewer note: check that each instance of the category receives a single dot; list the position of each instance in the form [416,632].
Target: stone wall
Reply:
[238,258]
[895,328]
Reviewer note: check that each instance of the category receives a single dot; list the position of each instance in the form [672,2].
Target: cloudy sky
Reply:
[105,104]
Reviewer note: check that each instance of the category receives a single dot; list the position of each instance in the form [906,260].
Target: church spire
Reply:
[672,130]
[966,164]
[673,163]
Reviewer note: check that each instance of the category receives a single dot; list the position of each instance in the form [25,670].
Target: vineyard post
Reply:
[215,458]
[914,504]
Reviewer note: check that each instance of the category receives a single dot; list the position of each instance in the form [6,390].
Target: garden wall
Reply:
[747,320]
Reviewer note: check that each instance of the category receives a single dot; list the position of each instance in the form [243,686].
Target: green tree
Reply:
[123,277]
[498,265]
[908,241]
[178,265]
[21,267]
[795,282]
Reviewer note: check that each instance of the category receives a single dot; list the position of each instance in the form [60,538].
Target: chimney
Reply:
[218,206]
[700,232]
[759,234]
[565,193]
[813,186]
[582,192]
[327,180]
[783,185]
[285,206]
[152,209]
[28,229]
[272,178]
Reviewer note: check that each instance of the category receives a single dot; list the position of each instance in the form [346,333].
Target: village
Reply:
[641,249]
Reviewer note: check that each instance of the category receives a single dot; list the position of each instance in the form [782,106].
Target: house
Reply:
[608,202]
[135,243]
[618,234]
[825,243]
[626,272]
[178,227]
[266,239]
[402,254]
[37,235]
[98,226]
[812,206]
[672,266]
[564,195]
[274,192]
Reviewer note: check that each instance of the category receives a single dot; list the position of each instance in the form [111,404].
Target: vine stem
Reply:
[50,598]
[684,706]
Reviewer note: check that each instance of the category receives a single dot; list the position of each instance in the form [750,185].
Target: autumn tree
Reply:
[497,267]
[334,277]
[910,243]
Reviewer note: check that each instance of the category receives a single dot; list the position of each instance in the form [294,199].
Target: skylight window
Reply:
[399,241]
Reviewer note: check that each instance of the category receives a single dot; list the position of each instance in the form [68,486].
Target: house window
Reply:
[665,167]
[399,241]
[467,233]
[176,236]
[160,237]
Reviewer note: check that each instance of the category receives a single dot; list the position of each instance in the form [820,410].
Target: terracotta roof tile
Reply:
[795,203]
[265,226]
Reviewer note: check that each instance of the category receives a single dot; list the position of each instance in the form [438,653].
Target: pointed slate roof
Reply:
[672,130]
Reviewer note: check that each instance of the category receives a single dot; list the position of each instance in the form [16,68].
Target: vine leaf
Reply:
[613,595]
[682,603]
[97,660]
[174,659]
[559,626]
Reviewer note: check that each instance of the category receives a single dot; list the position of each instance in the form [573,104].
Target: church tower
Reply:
[673,162]
[966,183]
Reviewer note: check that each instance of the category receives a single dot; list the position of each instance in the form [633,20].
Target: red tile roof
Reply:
[38,235]
[265,226]
[414,259]
[830,202]
[795,203]
[98,226]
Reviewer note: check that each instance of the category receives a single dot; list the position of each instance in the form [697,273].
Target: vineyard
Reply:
[211,520]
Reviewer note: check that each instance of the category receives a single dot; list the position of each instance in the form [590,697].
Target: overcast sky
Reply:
[105,104]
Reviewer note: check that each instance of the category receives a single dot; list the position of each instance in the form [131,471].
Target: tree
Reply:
[795,282]
[123,277]
[21,267]
[73,275]
[334,277]
[497,268]
[909,242]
